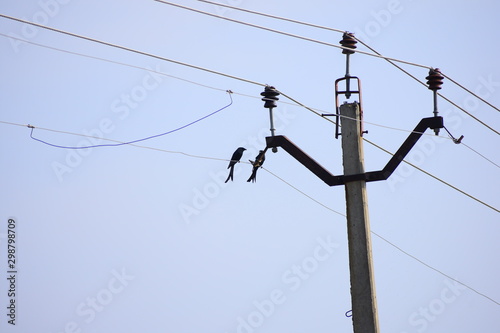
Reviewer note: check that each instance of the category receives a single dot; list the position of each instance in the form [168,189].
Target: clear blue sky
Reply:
[128,239]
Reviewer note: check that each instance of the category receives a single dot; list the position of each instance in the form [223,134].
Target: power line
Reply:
[109,61]
[316,111]
[304,194]
[290,34]
[440,95]
[186,64]
[131,143]
[470,92]
[343,31]
[435,177]
[272,16]
[130,49]
[267,170]
[295,102]
[434,269]
[221,74]
[134,141]
[475,151]
[385,240]
[370,142]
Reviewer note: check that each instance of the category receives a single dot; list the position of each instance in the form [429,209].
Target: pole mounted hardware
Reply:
[270,96]
[434,83]
[332,180]
[347,41]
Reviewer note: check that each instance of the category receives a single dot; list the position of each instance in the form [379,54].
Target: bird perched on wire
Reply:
[234,159]
[259,160]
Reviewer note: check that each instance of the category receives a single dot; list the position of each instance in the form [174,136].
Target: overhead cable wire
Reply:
[209,71]
[271,16]
[303,193]
[435,269]
[475,151]
[294,102]
[273,174]
[167,151]
[133,141]
[342,31]
[290,34]
[179,62]
[383,126]
[112,62]
[435,177]
[117,141]
[470,92]
[148,69]
[439,94]
[197,156]
[129,49]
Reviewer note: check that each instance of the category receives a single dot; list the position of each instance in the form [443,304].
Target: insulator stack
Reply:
[270,97]
[435,79]
[348,41]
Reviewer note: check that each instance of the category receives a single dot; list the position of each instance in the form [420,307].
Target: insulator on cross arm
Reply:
[348,41]
[435,79]
[270,97]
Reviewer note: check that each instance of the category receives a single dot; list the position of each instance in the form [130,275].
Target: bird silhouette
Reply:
[259,160]
[234,159]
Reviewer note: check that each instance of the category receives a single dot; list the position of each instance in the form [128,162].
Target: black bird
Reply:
[234,159]
[259,160]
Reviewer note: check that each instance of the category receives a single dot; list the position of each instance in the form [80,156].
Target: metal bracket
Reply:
[347,93]
[331,180]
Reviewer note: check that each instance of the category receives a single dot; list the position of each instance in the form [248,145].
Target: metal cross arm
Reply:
[332,180]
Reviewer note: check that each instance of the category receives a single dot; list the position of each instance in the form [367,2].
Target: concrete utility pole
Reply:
[364,303]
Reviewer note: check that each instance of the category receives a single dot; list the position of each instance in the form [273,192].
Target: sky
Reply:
[149,237]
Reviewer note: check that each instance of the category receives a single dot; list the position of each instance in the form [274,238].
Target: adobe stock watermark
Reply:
[421,319]
[49,9]
[292,279]
[222,11]
[89,309]
[380,19]
[203,195]
[120,109]
[453,119]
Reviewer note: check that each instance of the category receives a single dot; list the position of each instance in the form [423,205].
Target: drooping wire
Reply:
[216,72]
[133,141]
[294,102]
[281,179]
[225,75]
[330,209]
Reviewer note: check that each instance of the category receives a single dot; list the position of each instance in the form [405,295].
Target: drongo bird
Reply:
[234,159]
[259,160]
